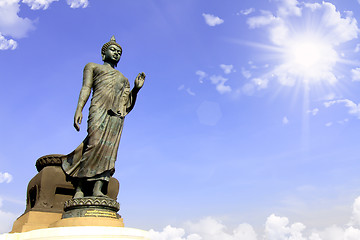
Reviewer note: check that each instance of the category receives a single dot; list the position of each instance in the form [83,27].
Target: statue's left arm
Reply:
[139,82]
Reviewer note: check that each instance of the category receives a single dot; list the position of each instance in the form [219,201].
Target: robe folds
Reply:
[94,159]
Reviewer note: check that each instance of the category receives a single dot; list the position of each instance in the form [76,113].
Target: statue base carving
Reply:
[90,211]
[91,207]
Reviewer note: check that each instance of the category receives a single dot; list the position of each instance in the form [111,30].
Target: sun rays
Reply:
[309,58]
[306,46]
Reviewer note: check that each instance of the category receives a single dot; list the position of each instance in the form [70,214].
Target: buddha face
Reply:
[112,54]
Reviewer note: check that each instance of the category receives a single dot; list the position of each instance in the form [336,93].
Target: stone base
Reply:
[33,220]
[88,221]
[49,190]
[80,233]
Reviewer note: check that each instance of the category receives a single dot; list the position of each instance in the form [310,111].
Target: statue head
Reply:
[111,51]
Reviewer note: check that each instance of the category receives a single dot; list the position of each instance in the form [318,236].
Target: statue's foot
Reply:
[79,194]
[98,194]
[97,189]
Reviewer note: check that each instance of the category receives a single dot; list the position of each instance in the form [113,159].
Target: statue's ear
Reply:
[103,57]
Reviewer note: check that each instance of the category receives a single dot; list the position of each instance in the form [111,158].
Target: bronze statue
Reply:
[93,161]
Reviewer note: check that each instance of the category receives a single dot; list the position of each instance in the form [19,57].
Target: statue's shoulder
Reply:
[92,65]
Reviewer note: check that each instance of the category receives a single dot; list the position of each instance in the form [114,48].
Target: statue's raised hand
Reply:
[77,120]
[139,80]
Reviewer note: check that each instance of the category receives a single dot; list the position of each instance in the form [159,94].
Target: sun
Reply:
[310,58]
[305,54]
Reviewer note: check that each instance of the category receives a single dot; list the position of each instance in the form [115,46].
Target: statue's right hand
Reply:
[77,120]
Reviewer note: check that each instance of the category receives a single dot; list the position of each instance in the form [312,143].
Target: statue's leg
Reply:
[97,189]
[79,193]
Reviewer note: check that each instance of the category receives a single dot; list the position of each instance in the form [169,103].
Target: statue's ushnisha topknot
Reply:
[111,42]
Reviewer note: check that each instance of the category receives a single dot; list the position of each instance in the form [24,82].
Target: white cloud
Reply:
[343,121]
[339,28]
[10,22]
[312,6]
[201,75]
[342,29]
[44,4]
[278,30]
[78,3]
[357,48]
[355,74]
[283,76]
[328,124]
[276,228]
[212,20]
[245,231]
[279,33]
[247,11]
[245,73]
[354,109]
[211,229]
[219,81]
[289,8]
[208,226]
[285,120]
[330,96]
[336,233]
[352,234]
[314,111]
[6,44]
[38,4]
[355,218]
[265,19]
[260,83]
[188,90]
[171,233]
[331,233]
[330,103]
[206,229]
[5,177]
[14,26]
[255,84]
[227,68]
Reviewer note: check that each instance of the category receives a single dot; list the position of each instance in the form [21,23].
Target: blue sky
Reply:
[247,126]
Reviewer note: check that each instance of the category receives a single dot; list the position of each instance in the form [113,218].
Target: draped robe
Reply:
[94,158]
